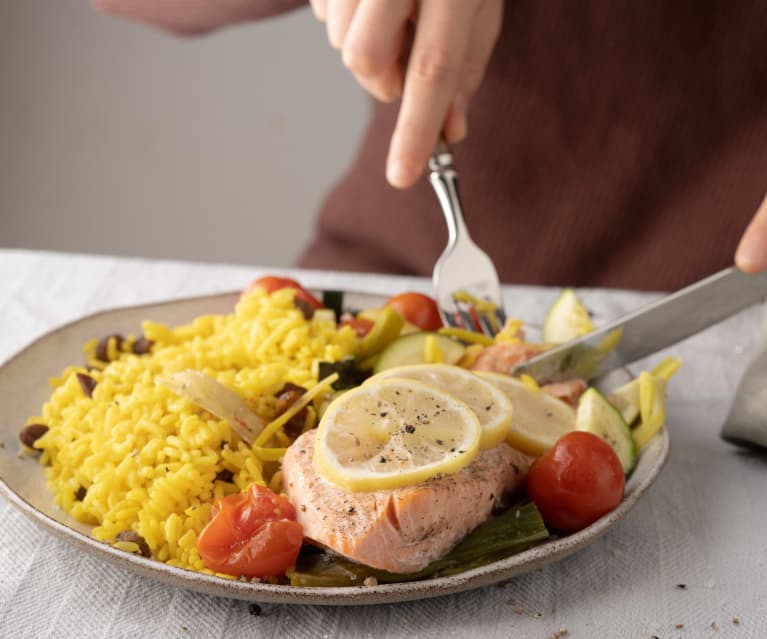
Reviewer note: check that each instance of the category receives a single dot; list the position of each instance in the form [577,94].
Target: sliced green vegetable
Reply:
[598,416]
[385,330]
[411,349]
[517,529]
[334,300]
[349,373]
[567,319]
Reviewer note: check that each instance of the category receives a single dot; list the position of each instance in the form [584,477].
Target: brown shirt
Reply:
[619,144]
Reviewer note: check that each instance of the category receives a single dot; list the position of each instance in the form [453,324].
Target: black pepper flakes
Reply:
[254,609]
[382,459]
[80,494]
[409,428]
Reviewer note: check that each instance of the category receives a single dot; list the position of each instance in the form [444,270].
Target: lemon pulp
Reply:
[493,408]
[394,432]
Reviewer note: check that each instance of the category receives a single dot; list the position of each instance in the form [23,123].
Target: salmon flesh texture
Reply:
[403,529]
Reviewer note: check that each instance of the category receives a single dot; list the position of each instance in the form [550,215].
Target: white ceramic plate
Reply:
[24,388]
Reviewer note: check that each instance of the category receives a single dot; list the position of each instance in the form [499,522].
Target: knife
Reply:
[651,328]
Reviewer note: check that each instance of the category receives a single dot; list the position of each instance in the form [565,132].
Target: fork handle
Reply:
[444,181]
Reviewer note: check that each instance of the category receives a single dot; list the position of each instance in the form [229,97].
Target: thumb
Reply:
[751,255]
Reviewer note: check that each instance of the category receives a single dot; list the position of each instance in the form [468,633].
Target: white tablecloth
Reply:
[689,561]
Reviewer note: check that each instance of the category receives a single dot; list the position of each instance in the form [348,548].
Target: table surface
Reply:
[688,561]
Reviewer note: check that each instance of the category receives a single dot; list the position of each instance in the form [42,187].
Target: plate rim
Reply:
[494,572]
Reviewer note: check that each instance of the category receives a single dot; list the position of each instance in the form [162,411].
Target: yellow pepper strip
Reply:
[268,454]
[530,382]
[470,337]
[510,331]
[667,368]
[652,409]
[275,485]
[432,353]
[470,355]
[272,427]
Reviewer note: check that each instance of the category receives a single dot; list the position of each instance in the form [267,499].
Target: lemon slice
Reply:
[492,407]
[539,419]
[394,432]
[567,319]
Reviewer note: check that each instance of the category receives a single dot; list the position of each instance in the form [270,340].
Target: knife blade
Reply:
[651,328]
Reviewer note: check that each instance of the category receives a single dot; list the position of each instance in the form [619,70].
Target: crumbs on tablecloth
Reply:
[736,621]
[681,586]
[679,626]
[521,610]
[562,632]
[714,626]
[254,609]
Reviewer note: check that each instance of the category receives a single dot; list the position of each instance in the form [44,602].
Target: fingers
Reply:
[751,255]
[374,44]
[339,17]
[432,79]
[452,46]
[320,9]
[484,35]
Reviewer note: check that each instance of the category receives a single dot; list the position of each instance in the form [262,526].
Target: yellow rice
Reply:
[147,458]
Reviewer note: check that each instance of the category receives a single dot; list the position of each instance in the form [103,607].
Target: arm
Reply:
[193,17]
[751,255]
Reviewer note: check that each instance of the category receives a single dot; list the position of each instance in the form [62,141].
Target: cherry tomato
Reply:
[418,309]
[576,482]
[253,533]
[271,283]
[360,325]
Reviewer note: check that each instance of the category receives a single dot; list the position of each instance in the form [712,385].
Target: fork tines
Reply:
[472,317]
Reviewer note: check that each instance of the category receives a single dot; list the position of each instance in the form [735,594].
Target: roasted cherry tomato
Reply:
[271,283]
[576,482]
[360,325]
[418,309]
[253,533]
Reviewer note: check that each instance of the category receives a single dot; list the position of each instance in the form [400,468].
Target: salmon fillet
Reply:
[400,530]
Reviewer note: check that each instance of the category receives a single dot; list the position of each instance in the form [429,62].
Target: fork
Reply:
[465,281]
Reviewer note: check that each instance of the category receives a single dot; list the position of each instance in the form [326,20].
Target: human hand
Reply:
[751,255]
[452,44]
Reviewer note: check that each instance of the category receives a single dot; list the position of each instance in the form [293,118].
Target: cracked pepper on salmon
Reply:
[403,529]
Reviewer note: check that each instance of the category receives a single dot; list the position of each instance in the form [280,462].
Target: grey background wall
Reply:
[118,139]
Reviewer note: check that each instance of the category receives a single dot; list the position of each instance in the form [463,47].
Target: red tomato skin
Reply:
[271,283]
[359,325]
[253,533]
[576,482]
[418,309]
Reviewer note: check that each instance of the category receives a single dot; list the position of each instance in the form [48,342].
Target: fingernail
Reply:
[399,174]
